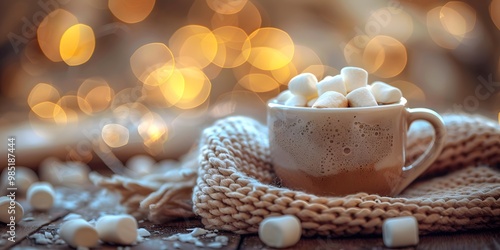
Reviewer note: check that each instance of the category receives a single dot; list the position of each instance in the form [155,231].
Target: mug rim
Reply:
[272,103]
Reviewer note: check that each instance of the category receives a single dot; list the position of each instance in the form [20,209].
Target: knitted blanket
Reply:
[229,182]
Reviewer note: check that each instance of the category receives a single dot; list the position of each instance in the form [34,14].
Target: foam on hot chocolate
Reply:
[363,145]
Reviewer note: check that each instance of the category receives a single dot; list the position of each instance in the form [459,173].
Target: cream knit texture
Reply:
[229,182]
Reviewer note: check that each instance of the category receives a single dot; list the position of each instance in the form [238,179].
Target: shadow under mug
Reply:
[339,151]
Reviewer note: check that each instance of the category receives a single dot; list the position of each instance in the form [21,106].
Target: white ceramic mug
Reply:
[339,151]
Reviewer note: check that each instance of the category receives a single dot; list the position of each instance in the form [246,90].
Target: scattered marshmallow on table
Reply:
[296,101]
[8,204]
[24,178]
[400,232]
[385,93]
[354,78]
[79,233]
[280,231]
[332,83]
[304,85]
[69,174]
[118,229]
[361,97]
[74,174]
[331,99]
[41,195]
[141,164]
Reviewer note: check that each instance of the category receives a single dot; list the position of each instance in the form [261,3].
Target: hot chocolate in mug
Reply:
[339,151]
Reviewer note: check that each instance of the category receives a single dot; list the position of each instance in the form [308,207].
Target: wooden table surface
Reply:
[81,202]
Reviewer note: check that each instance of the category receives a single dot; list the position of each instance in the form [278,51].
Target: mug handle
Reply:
[414,170]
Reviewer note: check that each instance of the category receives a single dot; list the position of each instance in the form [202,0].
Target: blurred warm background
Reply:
[99,81]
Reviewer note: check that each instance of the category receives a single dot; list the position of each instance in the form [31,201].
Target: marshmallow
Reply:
[361,97]
[281,231]
[296,101]
[75,174]
[69,174]
[354,78]
[118,229]
[24,177]
[331,99]
[10,210]
[79,233]
[283,96]
[311,102]
[400,232]
[141,164]
[41,195]
[385,93]
[304,85]
[49,170]
[332,83]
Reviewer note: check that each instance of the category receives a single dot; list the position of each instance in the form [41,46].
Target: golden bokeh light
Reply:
[69,116]
[50,111]
[246,72]
[70,103]
[458,18]
[128,95]
[51,30]
[321,71]
[373,56]
[194,45]
[303,57]
[95,94]
[414,94]
[284,74]
[226,7]
[437,32]
[258,82]
[271,48]
[495,12]
[233,47]
[115,135]
[154,96]
[173,88]
[47,110]
[448,25]
[353,50]
[159,75]
[152,63]
[129,113]
[196,90]
[152,129]
[248,19]
[77,44]
[42,92]
[131,11]
[385,56]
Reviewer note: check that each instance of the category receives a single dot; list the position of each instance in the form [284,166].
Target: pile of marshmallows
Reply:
[349,89]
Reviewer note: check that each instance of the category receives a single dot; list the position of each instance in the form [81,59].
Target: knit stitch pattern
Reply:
[235,190]
[229,182]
